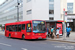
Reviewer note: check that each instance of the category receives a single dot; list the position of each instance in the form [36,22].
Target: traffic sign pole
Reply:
[64,25]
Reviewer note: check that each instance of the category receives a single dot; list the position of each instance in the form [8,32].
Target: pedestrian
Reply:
[52,36]
[49,33]
[54,33]
[57,32]
[68,29]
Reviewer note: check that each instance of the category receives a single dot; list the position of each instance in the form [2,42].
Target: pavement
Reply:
[2,32]
[70,39]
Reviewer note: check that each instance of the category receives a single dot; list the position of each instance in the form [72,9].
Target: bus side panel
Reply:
[28,35]
[23,32]
[6,33]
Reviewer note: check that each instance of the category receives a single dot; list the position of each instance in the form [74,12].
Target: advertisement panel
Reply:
[59,25]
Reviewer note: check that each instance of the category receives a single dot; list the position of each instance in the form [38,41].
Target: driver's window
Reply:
[29,27]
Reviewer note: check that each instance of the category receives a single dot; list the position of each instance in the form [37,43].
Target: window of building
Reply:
[29,12]
[70,8]
[23,26]
[51,18]
[51,11]
[51,0]
[28,0]
[51,8]
[20,1]
[11,8]
[6,3]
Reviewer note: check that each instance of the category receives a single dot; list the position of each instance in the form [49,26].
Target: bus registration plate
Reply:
[40,38]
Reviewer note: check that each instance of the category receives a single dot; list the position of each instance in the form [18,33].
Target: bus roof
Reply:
[21,22]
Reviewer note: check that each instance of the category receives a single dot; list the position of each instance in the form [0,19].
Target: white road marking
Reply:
[5,44]
[24,48]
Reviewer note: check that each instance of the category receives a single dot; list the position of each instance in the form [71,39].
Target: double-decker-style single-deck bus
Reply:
[32,29]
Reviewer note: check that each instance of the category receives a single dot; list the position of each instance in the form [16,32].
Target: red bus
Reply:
[32,29]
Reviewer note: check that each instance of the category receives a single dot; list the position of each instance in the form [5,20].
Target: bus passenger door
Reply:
[7,31]
[23,31]
[28,30]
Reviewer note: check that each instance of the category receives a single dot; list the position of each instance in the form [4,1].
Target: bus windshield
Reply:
[39,27]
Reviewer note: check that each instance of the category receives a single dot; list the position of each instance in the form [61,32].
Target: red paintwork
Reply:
[60,21]
[30,35]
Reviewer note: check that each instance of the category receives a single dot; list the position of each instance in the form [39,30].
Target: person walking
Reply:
[57,33]
[68,29]
[54,31]
[52,36]
[49,32]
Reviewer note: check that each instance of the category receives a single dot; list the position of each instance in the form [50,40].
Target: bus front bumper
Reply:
[39,37]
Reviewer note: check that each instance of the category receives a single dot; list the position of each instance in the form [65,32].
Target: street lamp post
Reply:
[18,10]
[64,24]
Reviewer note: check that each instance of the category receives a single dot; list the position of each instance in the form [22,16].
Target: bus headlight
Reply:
[46,33]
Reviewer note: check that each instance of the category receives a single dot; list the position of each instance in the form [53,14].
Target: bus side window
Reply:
[7,27]
[28,27]
[16,28]
[23,26]
[13,27]
[19,28]
[10,28]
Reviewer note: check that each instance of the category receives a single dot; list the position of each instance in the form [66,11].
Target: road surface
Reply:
[18,44]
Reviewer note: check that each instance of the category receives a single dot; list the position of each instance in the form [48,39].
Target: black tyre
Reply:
[23,37]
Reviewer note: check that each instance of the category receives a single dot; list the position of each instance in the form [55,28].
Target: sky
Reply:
[1,1]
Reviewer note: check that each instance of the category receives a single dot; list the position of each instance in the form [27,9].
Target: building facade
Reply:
[44,9]
[71,14]
[8,11]
[32,9]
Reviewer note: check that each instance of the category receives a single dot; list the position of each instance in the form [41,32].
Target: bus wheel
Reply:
[23,37]
[9,35]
